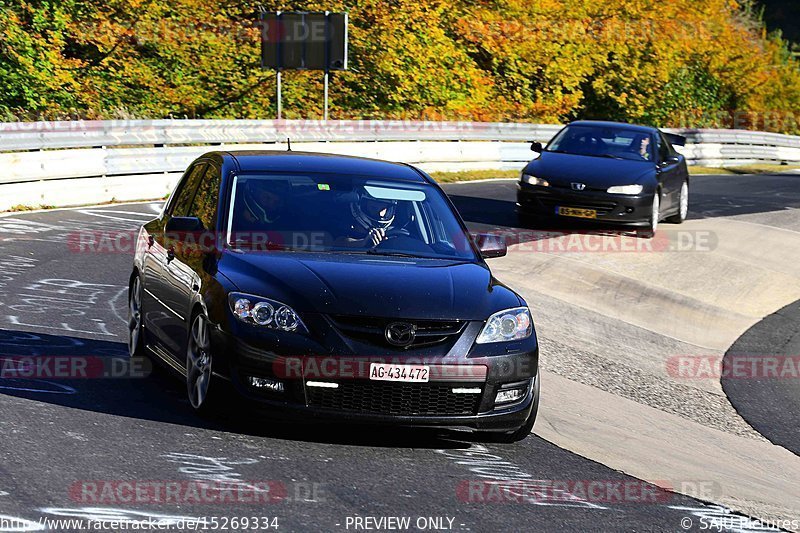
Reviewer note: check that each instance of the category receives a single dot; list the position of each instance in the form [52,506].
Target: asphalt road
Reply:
[70,446]
[769,399]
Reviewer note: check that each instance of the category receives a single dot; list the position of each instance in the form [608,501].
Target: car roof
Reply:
[290,161]
[608,124]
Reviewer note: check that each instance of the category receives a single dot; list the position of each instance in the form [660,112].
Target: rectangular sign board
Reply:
[303,41]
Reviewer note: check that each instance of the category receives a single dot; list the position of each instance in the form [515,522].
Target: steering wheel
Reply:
[397,232]
[400,239]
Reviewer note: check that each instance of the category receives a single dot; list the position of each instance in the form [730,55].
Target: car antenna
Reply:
[288,144]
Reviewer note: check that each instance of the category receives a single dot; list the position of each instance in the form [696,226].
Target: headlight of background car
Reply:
[508,325]
[259,311]
[626,189]
[533,180]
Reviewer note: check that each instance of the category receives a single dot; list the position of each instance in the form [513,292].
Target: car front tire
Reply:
[200,386]
[655,216]
[135,315]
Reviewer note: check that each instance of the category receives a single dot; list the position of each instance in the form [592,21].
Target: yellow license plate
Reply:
[576,212]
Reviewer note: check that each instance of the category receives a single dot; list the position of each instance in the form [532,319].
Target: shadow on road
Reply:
[98,376]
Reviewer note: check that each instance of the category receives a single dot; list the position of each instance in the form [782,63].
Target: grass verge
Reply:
[760,168]
[472,175]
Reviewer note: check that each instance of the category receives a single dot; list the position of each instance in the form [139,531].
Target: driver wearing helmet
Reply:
[372,218]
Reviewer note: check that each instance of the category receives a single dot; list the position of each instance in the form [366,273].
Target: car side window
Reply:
[206,200]
[187,192]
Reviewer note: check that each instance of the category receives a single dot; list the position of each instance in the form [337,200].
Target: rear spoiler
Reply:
[675,139]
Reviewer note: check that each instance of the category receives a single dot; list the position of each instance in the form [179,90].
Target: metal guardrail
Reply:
[138,160]
[90,134]
[55,150]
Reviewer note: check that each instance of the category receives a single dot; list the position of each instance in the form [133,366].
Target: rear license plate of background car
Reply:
[404,373]
[576,212]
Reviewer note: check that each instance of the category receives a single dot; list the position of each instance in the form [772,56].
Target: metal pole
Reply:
[280,97]
[326,96]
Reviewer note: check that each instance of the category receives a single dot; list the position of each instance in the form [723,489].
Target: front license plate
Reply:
[406,373]
[576,212]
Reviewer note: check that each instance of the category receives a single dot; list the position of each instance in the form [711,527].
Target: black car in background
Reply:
[610,172]
[332,287]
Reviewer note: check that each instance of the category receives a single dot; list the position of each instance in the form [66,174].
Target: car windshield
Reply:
[311,212]
[602,141]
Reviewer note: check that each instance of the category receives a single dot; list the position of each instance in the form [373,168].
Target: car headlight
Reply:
[259,311]
[508,325]
[533,180]
[626,189]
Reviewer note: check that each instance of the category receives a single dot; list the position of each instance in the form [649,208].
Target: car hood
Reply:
[595,172]
[350,284]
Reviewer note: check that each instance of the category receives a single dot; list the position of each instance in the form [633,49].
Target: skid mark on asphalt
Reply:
[39,305]
[506,480]
[484,464]
[36,385]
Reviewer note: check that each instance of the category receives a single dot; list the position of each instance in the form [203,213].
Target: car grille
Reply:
[372,330]
[378,397]
[602,208]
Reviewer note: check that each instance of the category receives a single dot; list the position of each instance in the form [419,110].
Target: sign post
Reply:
[280,96]
[297,40]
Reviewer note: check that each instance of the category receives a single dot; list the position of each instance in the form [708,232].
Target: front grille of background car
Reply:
[373,330]
[401,399]
[602,208]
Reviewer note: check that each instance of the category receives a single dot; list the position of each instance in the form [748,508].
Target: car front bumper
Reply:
[357,399]
[629,210]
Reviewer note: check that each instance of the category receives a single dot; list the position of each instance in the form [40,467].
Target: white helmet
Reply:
[371,212]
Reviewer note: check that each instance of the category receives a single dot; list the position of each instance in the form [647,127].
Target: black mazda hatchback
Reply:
[332,287]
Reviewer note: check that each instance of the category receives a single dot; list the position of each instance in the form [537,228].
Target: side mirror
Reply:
[187,237]
[184,224]
[536,146]
[490,245]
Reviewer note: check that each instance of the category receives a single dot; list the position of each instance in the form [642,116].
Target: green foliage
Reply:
[677,63]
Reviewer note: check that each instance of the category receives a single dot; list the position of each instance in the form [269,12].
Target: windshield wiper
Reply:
[373,251]
[610,156]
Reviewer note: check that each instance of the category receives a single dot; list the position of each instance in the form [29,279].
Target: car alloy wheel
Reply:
[135,318]
[684,200]
[683,205]
[199,364]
